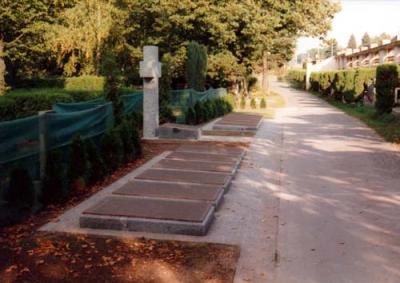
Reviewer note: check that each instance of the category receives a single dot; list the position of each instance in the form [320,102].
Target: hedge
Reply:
[47,82]
[345,83]
[30,103]
[204,111]
[85,83]
[387,78]
[297,78]
[7,109]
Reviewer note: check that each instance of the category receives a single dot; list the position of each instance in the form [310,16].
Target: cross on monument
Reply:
[150,71]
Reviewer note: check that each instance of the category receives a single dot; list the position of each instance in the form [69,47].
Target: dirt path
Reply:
[339,207]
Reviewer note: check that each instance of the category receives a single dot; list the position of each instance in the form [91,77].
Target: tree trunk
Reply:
[2,68]
[265,86]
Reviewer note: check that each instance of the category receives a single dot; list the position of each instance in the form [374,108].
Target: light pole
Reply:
[265,84]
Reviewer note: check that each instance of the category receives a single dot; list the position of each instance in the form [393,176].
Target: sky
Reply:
[358,17]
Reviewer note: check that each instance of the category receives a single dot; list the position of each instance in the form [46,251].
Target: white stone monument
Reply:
[150,71]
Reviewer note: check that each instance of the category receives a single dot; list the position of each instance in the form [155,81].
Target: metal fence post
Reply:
[42,143]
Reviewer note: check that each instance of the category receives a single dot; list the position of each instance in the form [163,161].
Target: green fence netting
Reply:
[62,127]
[19,147]
[19,139]
[78,106]
[132,102]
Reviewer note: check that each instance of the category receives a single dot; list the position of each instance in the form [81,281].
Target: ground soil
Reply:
[30,256]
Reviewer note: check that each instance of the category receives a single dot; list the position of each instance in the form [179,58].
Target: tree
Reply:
[2,69]
[366,40]
[25,54]
[79,34]
[378,39]
[352,42]
[330,47]
[196,65]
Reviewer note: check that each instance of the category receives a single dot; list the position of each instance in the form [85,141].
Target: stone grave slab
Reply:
[206,157]
[195,177]
[238,121]
[195,166]
[177,131]
[149,189]
[149,215]
[211,149]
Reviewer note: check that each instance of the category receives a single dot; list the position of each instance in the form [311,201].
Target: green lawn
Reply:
[387,125]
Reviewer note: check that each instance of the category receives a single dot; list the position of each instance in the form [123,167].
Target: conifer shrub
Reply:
[112,149]
[55,187]
[253,103]
[126,133]
[196,65]
[263,103]
[136,142]
[20,192]
[78,168]
[200,112]
[97,169]
[242,102]
[191,118]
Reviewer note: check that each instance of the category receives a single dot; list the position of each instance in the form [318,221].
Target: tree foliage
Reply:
[68,37]
[196,65]
[352,42]
[366,40]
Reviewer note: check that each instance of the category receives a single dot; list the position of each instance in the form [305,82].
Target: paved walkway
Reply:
[339,199]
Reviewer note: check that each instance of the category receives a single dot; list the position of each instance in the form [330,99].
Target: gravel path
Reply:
[339,199]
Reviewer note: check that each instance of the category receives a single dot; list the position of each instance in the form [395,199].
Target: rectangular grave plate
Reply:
[196,177]
[187,211]
[211,149]
[195,166]
[209,193]
[191,156]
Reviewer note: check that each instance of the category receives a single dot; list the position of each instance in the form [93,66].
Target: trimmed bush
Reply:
[200,112]
[191,116]
[7,109]
[78,169]
[97,169]
[263,103]
[205,111]
[242,102]
[30,103]
[252,84]
[314,81]
[85,84]
[297,78]
[20,191]
[348,84]
[54,187]
[253,103]
[38,82]
[112,150]
[126,133]
[387,78]
[326,82]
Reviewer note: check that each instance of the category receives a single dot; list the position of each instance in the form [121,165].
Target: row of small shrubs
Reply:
[204,111]
[84,162]
[297,78]
[253,103]
[347,85]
